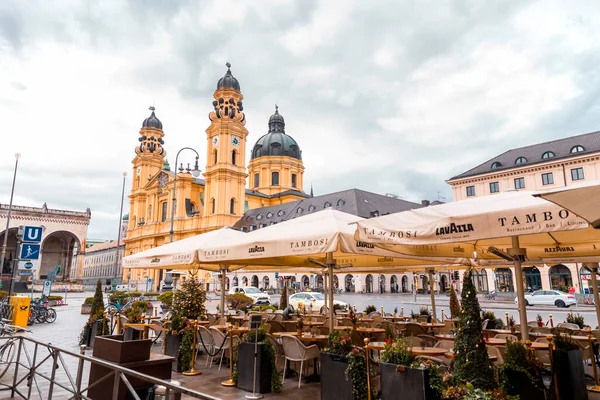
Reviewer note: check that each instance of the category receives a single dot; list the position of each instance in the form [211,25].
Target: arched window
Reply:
[340,202]
[233,154]
[163,215]
[496,164]
[327,204]
[213,206]
[232,206]
[547,154]
[215,156]
[256,180]
[577,149]
[294,183]
[533,278]
[520,160]
[275,178]
[504,282]
[560,278]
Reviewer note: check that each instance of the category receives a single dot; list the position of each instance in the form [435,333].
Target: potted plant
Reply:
[521,374]
[343,369]
[425,312]
[576,319]
[239,301]
[96,323]
[400,373]
[353,318]
[568,375]
[267,377]
[369,309]
[493,322]
[135,315]
[540,321]
[389,334]
[454,303]
[166,300]
[188,304]
[86,307]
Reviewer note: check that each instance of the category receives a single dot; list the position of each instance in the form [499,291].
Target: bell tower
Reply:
[148,161]
[225,176]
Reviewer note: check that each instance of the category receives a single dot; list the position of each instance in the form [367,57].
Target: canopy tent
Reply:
[583,201]
[324,238]
[514,225]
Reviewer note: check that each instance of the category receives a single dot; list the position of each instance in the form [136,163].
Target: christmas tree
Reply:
[454,304]
[471,361]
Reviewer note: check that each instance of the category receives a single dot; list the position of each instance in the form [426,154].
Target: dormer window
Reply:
[327,204]
[311,208]
[340,202]
[496,164]
[280,213]
[269,214]
[547,154]
[577,149]
[299,210]
[520,160]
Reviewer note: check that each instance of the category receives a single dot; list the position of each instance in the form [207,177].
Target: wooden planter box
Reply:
[86,308]
[334,385]
[246,369]
[569,375]
[522,386]
[412,383]
[173,342]
[115,349]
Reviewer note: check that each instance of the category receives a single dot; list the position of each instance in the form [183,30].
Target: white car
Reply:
[250,291]
[315,298]
[549,298]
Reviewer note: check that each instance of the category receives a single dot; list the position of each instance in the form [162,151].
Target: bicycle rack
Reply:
[32,369]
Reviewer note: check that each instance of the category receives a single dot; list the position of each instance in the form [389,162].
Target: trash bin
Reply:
[20,306]
[160,392]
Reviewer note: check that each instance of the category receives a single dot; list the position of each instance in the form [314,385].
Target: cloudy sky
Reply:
[386,96]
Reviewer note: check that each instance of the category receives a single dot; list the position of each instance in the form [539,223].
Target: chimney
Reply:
[425,203]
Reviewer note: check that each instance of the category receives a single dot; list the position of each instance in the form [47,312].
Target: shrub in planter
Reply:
[567,369]
[86,307]
[369,309]
[135,294]
[96,323]
[576,319]
[493,322]
[521,375]
[267,377]
[166,300]
[239,301]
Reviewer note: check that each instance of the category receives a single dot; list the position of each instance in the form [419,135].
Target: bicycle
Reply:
[40,312]
[7,349]
[113,308]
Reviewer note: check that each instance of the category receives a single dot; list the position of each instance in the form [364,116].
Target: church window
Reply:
[233,154]
[256,180]
[232,206]
[294,180]
[163,215]
[275,178]
[213,206]
[215,157]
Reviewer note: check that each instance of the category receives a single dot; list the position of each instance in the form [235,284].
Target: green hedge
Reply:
[88,301]
[151,294]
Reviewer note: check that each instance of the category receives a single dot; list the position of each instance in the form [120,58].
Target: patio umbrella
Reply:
[183,254]
[324,238]
[515,226]
[583,201]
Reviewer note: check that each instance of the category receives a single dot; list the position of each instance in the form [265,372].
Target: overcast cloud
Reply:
[387,96]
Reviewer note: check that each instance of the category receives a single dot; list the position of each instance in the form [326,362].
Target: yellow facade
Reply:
[221,198]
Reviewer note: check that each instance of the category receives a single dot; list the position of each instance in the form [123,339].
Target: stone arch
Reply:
[349,283]
[244,281]
[11,251]
[404,284]
[394,284]
[369,283]
[305,282]
[319,281]
[381,283]
[266,282]
[254,281]
[58,248]
[235,281]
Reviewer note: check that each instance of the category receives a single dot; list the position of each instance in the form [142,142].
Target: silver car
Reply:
[549,298]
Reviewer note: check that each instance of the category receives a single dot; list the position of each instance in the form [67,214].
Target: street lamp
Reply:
[119,233]
[196,173]
[12,191]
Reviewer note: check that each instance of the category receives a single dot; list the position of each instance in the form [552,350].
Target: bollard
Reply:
[193,371]
[402,311]
[551,321]
[230,382]
[507,321]
[592,339]
[443,315]
[368,369]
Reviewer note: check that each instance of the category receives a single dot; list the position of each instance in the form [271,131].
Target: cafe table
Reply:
[396,318]
[314,323]
[360,329]
[501,331]
[539,345]
[495,342]
[574,337]
[305,337]
[450,355]
[235,330]
[442,336]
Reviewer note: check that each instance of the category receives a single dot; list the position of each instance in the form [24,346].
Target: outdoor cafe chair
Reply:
[277,347]
[447,328]
[532,324]
[494,351]
[220,321]
[277,317]
[295,350]
[290,326]
[568,325]
[205,341]
[412,341]
[413,329]
[158,329]
[445,344]
[218,338]
[485,324]
[422,318]
[276,326]
[429,340]
[507,336]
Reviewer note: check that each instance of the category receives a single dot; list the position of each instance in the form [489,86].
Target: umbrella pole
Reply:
[330,265]
[223,272]
[594,268]
[432,291]
[325,293]
[520,292]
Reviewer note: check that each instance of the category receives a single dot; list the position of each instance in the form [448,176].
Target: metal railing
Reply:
[33,367]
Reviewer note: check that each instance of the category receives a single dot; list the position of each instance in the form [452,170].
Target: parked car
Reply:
[250,291]
[549,298]
[122,288]
[316,299]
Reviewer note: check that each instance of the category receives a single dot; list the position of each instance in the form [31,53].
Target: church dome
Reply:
[228,81]
[276,142]
[152,121]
